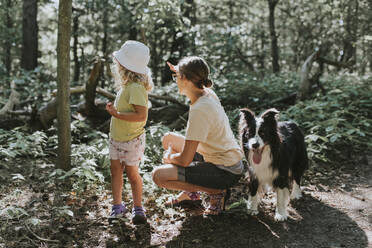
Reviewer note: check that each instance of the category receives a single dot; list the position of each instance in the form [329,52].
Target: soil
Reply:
[335,211]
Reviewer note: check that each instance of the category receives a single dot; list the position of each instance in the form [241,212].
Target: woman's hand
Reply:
[183,158]
[171,67]
[167,154]
[111,109]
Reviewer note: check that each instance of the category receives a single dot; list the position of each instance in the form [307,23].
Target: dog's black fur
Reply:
[276,155]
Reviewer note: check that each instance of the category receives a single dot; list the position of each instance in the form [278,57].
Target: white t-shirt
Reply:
[208,124]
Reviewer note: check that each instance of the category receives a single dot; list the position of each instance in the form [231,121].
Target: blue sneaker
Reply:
[138,216]
[117,211]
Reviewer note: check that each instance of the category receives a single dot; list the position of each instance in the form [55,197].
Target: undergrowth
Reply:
[340,118]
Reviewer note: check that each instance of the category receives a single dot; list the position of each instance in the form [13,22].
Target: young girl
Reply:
[208,158]
[129,115]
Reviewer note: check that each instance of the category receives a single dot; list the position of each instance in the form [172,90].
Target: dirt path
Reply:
[336,211]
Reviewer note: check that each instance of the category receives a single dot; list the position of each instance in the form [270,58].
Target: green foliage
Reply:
[18,142]
[81,132]
[231,35]
[34,86]
[89,158]
[91,161]
[341,118]
[252,91]
[154,149]
[12,212]
[63,212]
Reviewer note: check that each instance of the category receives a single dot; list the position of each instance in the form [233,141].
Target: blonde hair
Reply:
[123,76]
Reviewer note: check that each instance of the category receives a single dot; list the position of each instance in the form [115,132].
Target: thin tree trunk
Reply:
[75,35]
[104,39]
[274,38]
[133,31]
[8,43]
[30,33]
[261,58]
[193,20]
[180,44]
[105,27]
[63,84]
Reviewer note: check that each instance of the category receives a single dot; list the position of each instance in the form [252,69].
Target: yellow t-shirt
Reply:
[131,93]
[208,124]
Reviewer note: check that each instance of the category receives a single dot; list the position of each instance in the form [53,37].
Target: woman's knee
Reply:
[156,176]
[177,141]
[162,174]
[166,139]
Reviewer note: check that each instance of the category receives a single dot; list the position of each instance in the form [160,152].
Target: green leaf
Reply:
[14,212]
[334,138]
[17,176]
[329,129]
[68,212]
[312,137]
[34,221]
[351,131]
[235,204]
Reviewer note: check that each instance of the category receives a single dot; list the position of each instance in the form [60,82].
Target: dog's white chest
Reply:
[264,171]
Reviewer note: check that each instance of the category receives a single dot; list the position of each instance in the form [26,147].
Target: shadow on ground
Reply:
[312,224]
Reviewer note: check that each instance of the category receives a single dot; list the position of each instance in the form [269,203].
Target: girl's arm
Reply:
[185,157]
[139,114]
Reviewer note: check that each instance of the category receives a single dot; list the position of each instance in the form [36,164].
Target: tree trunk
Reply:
[261,58]
[274,38]
[75,35]
[8,43]
[105,21]
[90,93]
[105,27]
[30,33]
[63,84]
[351,28]
[133,31]
[180,44]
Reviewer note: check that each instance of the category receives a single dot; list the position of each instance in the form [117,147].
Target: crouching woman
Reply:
[208,159]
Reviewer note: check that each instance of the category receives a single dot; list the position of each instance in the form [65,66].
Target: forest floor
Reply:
[335,211]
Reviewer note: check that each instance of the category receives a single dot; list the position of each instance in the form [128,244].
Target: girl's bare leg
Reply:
[136,184]
[116,180]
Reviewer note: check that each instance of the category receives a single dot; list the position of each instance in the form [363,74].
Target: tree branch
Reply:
[335,63]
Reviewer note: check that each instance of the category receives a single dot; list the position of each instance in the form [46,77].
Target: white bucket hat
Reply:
[134,56]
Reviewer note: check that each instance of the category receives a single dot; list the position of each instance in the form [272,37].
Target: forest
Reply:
[311,60]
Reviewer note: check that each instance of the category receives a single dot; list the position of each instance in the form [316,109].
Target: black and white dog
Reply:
[276,155]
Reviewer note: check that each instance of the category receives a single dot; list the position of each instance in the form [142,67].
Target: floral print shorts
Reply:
[128,152]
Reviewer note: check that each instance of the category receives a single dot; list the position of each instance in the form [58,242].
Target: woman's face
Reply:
[181,82]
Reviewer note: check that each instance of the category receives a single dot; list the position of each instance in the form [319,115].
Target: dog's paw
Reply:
[251,206]
[296,195]
[296,192]
[280,216]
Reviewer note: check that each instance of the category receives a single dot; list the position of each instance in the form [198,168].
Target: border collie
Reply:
[276,155]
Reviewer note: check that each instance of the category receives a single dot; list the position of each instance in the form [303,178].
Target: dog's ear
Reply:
[247,115]
[270,114]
